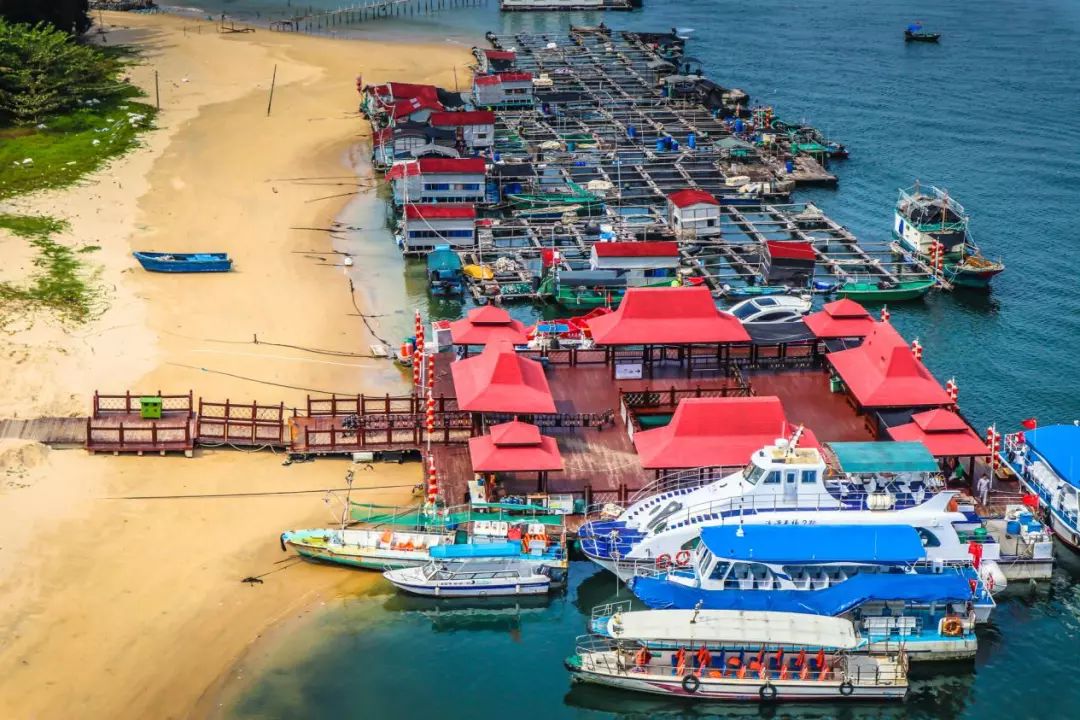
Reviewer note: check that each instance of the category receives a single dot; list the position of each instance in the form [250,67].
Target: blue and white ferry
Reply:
[1047,461]
[873,575]
[879,483]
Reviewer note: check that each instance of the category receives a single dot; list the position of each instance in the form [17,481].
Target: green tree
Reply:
[66,15]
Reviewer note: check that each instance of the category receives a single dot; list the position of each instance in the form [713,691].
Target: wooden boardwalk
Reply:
[55,431]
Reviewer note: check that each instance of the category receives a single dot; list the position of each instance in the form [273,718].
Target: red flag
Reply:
[1029,424]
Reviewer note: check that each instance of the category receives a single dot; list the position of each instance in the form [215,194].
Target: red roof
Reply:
[465,117]
[667,316]
[381,136]
[686,198]
[514,447]
[401,90]
[500,380]
[500,54]
[437,166]
[943,432]
[716,432]
[637,249]
[883,372]
[408,106]
[840,319]
[790,249]
[499,78]
[440,212]
[486,325]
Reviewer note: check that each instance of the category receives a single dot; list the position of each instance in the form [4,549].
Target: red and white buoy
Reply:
[916,349]
[884,313]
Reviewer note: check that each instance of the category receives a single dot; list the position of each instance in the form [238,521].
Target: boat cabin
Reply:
[694,214]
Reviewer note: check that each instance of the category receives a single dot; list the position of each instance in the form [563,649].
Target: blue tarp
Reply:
[875,457]
[815,543]
[511,548]
[1059,446]
[869,587]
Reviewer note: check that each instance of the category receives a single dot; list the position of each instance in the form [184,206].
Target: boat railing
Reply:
[680,480]
[610,609]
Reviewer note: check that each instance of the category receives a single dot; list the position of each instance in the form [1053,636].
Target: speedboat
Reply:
[752,656]
[887,483]
[771,309]
[480,577]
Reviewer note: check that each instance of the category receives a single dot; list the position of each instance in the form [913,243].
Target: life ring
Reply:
[767,692]
[846,688]
[663,562]
[953,505]
[690,684]
[952,626]
[682,558]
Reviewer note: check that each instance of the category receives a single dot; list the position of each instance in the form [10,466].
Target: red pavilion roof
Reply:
[716,432]
[943,432]
[840,319]
[883,372]
[514,447]
[686,198]
[486,325]
[500,380]
[667,316]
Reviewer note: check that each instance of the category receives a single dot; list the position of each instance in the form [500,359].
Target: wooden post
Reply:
[157,91]
[273,81]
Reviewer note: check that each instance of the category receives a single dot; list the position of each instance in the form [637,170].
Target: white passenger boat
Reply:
[473,578]
[738,655]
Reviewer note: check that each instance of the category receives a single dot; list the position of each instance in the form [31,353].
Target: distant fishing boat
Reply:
[444,272]
[184,262]
[883,290]
[915,33]
[926,216]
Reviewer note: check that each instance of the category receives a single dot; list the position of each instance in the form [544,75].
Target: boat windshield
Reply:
[744,311]
[752,473]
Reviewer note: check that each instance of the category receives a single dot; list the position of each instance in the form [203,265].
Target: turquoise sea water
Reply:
[991,114]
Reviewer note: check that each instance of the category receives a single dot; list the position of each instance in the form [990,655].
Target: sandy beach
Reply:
[115,605]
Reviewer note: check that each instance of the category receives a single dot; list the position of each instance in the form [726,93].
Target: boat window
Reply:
[773,478]
[774,316]
[719,570]
[744,312]
[706,558]
[928,538]
[766,302]
[809,477]
[752,474]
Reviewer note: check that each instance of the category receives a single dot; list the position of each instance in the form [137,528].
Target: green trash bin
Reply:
[150,408]
[836,385]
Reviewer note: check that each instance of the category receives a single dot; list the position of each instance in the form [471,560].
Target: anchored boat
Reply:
[495,573]
[915,33]
[183,262]
[444,272]
[1047,461]
[927,216]
[752,656]
[885,290]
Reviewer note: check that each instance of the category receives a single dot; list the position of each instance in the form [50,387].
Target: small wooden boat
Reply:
[885,291]
[184,262]
[473,578]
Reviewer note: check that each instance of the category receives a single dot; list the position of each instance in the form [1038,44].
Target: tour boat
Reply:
[1047,461]
[882,483]
[489,575]
[925,216]
[771,309]
[752,656]
[183,262]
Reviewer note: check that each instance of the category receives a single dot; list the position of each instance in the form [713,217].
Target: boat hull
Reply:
[373,560]
[869,292]
[184,263]
[470,589]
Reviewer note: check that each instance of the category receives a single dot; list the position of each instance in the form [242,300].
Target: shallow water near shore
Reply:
[990,115]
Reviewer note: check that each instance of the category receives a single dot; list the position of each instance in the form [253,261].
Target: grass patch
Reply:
[60,283]
[69,146]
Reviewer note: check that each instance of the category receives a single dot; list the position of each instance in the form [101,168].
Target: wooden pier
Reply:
[357,13]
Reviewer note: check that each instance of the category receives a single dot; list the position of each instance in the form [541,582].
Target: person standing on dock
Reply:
[982,487]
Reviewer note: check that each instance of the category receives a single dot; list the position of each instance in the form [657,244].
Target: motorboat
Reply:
[499,573]
[771,309]
[750,656]
[1046,460]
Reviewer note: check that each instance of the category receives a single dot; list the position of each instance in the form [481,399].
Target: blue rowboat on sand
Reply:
[184,262]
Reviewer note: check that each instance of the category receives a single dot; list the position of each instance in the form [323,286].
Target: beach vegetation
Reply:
[60,282]
[68,15]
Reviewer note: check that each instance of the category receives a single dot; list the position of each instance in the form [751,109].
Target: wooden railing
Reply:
[367,405]
[142,437]
[130,403]
[248,424]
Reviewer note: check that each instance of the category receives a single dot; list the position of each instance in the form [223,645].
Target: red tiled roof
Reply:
[487,325]
[840,319]
[500,380]
[686,198]
[514,447]
[464,117]
[401,90]
[408,106]
[500,54]
[637,249]
[790,249]
[716,432]
[440,212]
[667,316]
[883,372]
[943,432]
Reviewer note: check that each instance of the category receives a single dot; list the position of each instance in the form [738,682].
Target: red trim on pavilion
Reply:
[667,316]
[717,432]
[883,372]
[514,447]
[500,380]
[943,432]
[487,325]
[840,319]
[440,212]
[686,198]
[637,249]
[462,118]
